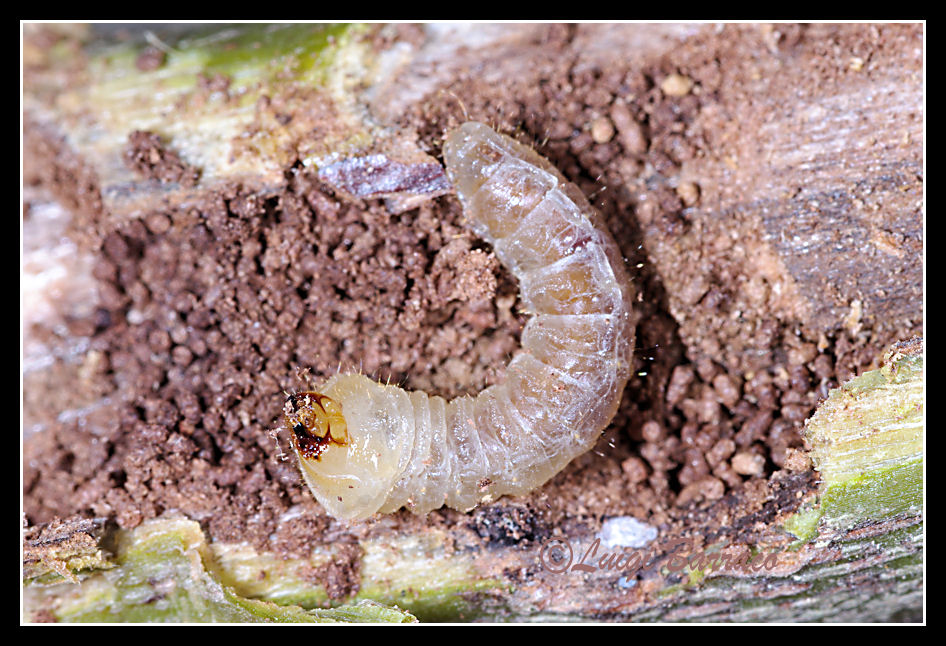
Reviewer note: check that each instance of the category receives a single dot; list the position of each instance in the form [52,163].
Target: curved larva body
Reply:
[562,388]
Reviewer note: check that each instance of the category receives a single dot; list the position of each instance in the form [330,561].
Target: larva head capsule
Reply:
[315,422]
[350,441]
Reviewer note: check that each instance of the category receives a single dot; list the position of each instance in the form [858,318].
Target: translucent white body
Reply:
[409,449]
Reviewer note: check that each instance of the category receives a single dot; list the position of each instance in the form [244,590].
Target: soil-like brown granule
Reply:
[207,313]
[146,155]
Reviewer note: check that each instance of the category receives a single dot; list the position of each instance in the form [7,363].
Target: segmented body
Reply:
[561,388]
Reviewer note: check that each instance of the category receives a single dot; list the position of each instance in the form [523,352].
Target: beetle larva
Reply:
[364,447]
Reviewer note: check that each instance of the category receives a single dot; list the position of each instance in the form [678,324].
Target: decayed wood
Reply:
[809,211]
[829,193]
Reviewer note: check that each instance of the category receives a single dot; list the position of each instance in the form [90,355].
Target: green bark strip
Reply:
[867,442]
[164,572]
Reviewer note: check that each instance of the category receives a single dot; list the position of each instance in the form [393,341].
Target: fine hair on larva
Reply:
[364,447]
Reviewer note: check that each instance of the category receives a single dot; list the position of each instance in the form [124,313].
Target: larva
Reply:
[364,447]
